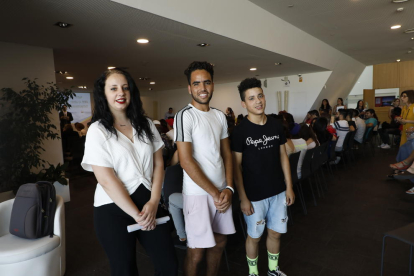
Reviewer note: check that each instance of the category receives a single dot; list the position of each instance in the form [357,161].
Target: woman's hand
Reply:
[147,216]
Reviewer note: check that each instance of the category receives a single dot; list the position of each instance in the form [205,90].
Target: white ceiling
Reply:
[104,34]
[358,28]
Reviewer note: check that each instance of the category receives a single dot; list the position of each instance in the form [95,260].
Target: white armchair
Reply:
[39,257]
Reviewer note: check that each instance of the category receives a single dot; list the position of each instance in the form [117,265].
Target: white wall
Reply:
[301,95]
[20,61]
[266,31]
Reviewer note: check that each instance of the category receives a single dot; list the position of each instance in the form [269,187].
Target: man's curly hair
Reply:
[247,84]
[199,65]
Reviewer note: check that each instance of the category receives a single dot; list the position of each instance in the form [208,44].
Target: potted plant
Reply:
[25,126]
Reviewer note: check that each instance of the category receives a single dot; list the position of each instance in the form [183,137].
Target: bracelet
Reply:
[230,188]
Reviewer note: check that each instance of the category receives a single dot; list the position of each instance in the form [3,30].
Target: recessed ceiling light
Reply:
[63,24]
[111,67]
[142,40]
[400,9]
[153,82]
[398,60]
[412,38]
[399,1]
[278,63]
[82,87]
[61,72]
[203,45]
[253,69]
[143,78]
[291,6]
[150,89]
[409,31]
[69,78]
[395,27]
[409,52]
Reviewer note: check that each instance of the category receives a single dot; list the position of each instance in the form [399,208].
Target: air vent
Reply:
[409,31]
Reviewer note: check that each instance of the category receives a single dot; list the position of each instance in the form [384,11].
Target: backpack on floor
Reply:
[33,211]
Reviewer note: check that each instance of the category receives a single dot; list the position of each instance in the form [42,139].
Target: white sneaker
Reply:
[380,146]
[386,146]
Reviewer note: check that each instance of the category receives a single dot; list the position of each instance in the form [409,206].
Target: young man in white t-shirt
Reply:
[204,153]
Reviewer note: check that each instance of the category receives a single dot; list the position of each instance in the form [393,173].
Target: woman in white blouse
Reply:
[124,150]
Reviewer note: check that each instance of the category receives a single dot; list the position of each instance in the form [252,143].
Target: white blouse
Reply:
[131,161]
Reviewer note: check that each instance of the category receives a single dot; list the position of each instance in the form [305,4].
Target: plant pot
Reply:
[63,190]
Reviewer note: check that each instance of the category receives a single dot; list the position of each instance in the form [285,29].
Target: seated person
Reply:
[360,126]
[351,123]
[342,128]
[320,129]
[371,121]
[310,116]
[307,134]
[175,207]
[390,128]
[78,128]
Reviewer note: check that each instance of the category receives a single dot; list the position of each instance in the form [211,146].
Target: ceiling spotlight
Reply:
[409,31]
[278,63]
[69,78]
[61,72]
[153,82]
[395,27]
[253,69]
[400,9]
[63,24]
[143,78]
[291,6]
[111,67]
[142,40]
[150,89]
[408,52]
[398,60]
[203,45]
[399,1]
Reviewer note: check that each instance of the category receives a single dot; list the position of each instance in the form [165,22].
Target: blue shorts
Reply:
[271,211]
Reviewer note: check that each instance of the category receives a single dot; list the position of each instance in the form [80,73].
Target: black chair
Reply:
[306,171]
[173,182]
[351,145]
[293,160]
[345,149]
[404,234]
[318,161]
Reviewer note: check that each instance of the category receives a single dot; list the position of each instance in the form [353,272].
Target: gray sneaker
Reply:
[275,272]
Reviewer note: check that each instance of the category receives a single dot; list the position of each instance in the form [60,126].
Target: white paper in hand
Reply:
[135,227]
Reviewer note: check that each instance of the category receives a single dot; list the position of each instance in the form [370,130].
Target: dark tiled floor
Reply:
[342,236]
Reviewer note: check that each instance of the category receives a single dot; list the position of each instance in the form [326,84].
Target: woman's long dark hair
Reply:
[134,111]
[327,104]
[319,128]
[306,132]
[358,104]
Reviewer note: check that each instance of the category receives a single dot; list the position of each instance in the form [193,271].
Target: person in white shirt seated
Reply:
[360,126]
[339,105]
[342,128]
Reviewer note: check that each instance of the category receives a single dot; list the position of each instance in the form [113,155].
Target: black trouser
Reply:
[386,130]
[120,246]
